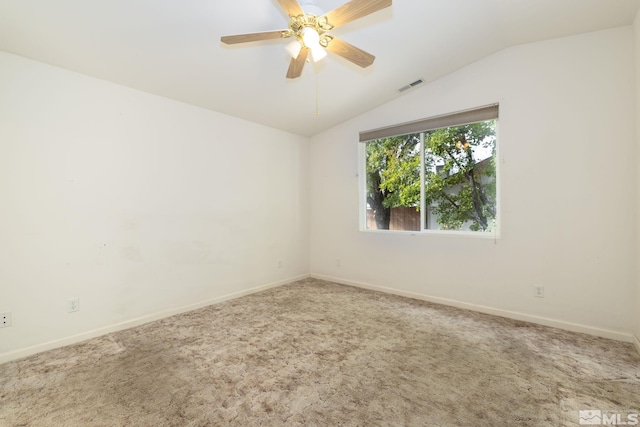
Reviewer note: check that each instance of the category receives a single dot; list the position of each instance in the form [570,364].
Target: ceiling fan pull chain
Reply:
[315,67]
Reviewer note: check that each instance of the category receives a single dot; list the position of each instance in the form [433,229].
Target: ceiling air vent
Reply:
[411,85]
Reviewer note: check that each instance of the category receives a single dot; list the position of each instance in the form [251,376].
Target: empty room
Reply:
[319,213]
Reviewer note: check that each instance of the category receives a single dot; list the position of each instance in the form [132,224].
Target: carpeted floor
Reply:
[320,354]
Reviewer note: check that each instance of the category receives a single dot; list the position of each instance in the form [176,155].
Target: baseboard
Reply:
[28,351]
[604,333]
[636,342]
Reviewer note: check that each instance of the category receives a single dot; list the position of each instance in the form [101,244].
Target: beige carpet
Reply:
[319,354]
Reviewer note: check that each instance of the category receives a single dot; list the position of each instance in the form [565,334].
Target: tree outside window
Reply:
[445,178]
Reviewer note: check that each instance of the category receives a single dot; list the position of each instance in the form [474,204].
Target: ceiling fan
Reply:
[310,31]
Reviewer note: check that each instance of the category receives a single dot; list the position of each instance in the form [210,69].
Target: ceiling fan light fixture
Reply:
[293,48]
[317,53]
[310,37]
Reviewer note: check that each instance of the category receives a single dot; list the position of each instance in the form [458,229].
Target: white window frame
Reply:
[489,112]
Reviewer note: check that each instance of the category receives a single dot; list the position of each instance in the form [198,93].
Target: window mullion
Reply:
[423,207]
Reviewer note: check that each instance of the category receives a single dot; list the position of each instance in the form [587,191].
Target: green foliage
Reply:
[393,175]
[460,187]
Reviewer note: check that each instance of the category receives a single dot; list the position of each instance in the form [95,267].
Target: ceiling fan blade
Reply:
[296,65]
[253,37]
[350,52]
[291,7]
[353,10]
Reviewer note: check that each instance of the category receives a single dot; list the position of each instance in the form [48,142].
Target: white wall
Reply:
[636,28]
[138,205]
[568,185]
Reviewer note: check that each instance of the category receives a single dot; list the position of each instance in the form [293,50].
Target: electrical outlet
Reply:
[280,263]
[5,320]
[73,304]
[538,291]
[338,262]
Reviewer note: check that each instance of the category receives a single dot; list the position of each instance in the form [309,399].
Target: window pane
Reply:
[393,183]
[460,177]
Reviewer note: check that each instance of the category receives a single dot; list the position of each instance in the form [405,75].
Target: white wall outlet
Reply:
[538,291]
[280,264]
[338,262]
[5,320]
[73,304]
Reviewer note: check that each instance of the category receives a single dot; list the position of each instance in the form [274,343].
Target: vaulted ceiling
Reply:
[173,48]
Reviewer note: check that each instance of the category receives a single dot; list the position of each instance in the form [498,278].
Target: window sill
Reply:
[476,234]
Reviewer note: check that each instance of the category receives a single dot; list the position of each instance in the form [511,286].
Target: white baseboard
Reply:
[636,342]
[28,351]
[604,333]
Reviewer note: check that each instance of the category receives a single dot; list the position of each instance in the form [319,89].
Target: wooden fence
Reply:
[406,219]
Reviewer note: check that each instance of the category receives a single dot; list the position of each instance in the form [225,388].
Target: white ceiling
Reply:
[172,48]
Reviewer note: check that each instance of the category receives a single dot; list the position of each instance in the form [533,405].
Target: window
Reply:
[433,174]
